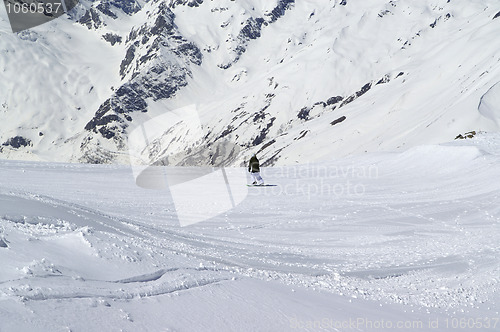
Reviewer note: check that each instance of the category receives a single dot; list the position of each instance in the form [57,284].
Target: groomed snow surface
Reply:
[389,241]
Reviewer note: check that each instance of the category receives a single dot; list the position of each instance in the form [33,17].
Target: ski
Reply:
[261,185]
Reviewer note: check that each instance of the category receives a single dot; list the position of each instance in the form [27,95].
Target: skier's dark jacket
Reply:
[254,166]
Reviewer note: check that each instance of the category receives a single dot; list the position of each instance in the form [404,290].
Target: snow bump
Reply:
[489,106]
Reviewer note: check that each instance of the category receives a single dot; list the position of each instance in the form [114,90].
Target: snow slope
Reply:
[386,240]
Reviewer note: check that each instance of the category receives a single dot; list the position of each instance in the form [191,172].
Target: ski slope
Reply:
[400,241]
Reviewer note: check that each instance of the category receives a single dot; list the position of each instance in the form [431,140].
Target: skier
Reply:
[254,169]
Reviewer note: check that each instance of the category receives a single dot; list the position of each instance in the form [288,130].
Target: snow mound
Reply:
[489,106]
[440,158]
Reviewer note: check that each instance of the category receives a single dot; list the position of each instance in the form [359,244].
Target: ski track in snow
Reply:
[423,235]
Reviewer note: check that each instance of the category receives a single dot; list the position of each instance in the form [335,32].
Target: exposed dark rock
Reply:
[265,146]
[259,116]
[358,94]
[263,133]
[334,100]
[105,8]
[348,100]
[232,127]
[364,90]
[384,80]
[280,9]
[91,19]
[191,52]
[109,120]
[108,133]
[129,7]
[149,75]
[339,120]
[101,121]
[497,15]
[112,38]
[253,28]
[274,158]
[304,113]
[164,23]
[190,3]
[343,2]
[129,98]
[95,154]
[302,134]
[383,13]
[226,132]
[18,142]
[164,36]
[129,57]
[470,134]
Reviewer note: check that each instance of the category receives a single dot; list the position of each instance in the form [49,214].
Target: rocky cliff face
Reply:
[157,63]
[146,72]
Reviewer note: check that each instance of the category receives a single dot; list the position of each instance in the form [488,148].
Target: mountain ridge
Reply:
[293,81]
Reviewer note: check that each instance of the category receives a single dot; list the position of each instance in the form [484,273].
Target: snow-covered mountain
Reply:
[293,80]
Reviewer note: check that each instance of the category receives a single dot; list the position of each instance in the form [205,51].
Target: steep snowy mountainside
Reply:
[294,81]
[384,76]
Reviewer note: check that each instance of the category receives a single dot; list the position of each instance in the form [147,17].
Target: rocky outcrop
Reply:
[339,120]
[252,29]
[92,20]
[95,16]
[145,73]
[470,134]
[17,142]
[112,38]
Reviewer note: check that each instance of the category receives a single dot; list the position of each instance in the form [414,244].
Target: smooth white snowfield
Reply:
[387,241]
